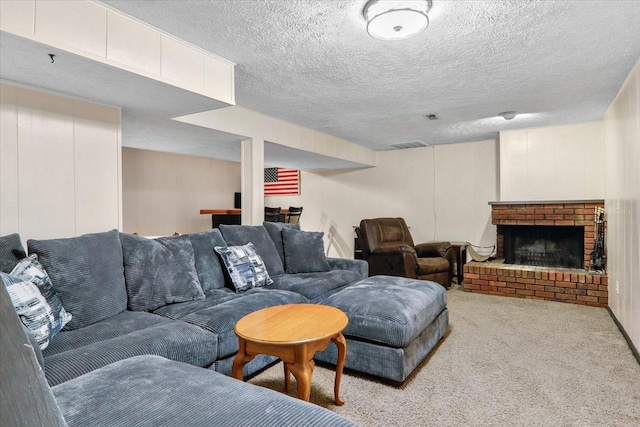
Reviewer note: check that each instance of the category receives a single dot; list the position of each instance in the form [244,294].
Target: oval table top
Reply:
[292,324]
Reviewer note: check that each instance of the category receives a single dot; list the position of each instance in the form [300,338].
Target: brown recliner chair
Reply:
[389,249]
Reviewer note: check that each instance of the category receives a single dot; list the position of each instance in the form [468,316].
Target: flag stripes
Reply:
[287,182]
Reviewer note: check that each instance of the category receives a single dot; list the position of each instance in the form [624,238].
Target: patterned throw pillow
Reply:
[35,300]
[245,267]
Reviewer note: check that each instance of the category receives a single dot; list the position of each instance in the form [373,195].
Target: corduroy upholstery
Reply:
[86,272]
[221,315]
[393,324]
[388,247]
[389,310]
[210,272]
[142,391]
[174,340]
[11,251]
[236,235]
[159,271]
[315,286]
[275,232]
[179,395]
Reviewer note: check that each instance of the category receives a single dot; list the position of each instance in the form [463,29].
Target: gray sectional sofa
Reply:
[157,311]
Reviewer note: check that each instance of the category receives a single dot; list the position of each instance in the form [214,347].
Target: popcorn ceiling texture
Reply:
[312,62]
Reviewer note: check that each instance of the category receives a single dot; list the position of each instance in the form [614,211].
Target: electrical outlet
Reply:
[617,288]
[617,205]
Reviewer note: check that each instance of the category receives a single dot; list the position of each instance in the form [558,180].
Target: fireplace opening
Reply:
[547,246]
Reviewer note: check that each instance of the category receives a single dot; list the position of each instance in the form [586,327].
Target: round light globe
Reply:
[397,24]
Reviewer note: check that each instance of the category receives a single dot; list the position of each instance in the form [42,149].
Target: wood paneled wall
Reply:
[552,163]
[163,192]
[622,204]
[60,165]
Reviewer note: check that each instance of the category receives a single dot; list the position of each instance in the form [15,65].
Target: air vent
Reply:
[431,117]
[403,145]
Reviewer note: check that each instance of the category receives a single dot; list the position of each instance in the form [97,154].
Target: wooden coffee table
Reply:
[293,333]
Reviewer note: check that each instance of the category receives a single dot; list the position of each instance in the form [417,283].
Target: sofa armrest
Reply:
[434,249]
[359,266]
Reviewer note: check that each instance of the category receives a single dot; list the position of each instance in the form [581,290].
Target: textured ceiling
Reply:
[147,105]
[312,62]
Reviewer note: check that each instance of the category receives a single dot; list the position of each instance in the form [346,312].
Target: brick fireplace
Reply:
[543,279]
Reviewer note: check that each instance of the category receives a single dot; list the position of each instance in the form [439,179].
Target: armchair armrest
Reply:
[357,265]
[434,249]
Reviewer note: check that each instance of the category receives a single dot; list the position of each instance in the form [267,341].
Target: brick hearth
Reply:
[577,286]
[571,285]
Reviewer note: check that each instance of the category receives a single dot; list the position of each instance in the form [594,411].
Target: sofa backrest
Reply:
[87,274]
[11,251]
[378,231]
[26,399]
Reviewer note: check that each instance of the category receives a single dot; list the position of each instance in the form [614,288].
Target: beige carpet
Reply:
[504,362]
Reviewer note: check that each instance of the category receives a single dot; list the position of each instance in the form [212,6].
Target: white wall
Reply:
[447,201]
[552,163]
[59,165]
[622,204]
[163,192]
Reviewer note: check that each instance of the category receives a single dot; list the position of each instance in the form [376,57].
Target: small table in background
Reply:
[292,333]
[460,249]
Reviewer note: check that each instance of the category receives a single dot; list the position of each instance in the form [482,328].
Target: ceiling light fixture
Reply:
[396,19]
[508,115]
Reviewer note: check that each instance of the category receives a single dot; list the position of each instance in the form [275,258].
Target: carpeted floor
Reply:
[505,362]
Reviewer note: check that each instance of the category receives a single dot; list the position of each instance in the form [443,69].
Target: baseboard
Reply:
[633,348]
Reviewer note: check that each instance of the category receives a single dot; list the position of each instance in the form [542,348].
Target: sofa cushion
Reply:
[152,391]
[173,340]
[244,266]
[159,271]
[303,251]
[35,300]
[432,265]
[275,232]
[11,251]
[236,235]
[86,272]
[210,271]
[222,314]
[121,324]
[389,310]
[315,286]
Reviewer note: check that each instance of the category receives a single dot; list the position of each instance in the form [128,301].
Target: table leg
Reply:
[287,377]
[341,343]
[302,370]
[241,359]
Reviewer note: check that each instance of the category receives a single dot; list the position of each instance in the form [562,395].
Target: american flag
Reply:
[281,182]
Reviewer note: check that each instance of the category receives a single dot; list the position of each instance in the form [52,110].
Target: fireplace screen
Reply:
[548,246]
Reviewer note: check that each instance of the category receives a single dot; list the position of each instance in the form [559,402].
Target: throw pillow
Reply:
[210,270]
[159,271]
[35,300]
[236,235]
[304,251]
[11,251]
[245,267]
[86,272]
[275,232]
